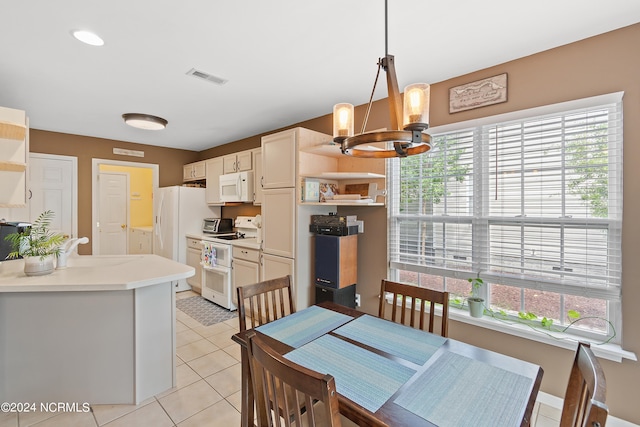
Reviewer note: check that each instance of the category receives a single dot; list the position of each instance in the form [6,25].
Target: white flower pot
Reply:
[476,307]
[38,266]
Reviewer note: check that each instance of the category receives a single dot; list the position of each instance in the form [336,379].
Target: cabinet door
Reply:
[278,221]
[279,160]
[257,176]
[230,164]
[193,260]
[244,161]
[14,152]
[187,172]
[244,273]
[214,168]
[273,266]
[199,170]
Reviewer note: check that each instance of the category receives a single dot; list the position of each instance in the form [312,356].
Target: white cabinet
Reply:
[274,266]
[213,171]
[246,268]
[194,171]
[238,162]
[279,221]
[140,240]
[194,255]
[287,243]
[257,176]
[279,160]
[14,151]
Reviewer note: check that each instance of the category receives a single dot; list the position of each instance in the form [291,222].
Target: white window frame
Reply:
[614,306]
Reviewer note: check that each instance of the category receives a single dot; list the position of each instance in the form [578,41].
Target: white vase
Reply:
[38,266]
[476,307]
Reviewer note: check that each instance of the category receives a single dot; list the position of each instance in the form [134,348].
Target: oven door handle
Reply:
[216,269]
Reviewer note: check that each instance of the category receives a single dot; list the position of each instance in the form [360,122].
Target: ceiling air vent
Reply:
[206,76]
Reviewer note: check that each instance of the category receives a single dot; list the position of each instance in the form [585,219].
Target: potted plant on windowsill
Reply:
[476,304]
[37,245]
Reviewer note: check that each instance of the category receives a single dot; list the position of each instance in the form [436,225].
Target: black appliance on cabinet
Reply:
[7,228]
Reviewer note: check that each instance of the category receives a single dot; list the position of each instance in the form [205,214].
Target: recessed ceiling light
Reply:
[87,37]
[144,121]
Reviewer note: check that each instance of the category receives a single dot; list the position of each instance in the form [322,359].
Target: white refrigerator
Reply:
[179,211]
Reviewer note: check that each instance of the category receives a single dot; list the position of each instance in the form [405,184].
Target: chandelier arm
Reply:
[375,83]
[395,101]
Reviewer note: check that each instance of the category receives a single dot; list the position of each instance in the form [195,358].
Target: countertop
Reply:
[95,273]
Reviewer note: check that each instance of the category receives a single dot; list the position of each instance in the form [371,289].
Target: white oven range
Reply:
[216,272]
[217,280]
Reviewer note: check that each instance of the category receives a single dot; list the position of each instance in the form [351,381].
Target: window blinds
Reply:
[534,202]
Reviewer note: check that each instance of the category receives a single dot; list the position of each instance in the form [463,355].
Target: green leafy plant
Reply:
[37,240]
[476,284]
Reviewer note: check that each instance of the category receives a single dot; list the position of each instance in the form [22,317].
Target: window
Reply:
[533,204]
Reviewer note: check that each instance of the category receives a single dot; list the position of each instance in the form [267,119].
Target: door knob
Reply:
[123,226]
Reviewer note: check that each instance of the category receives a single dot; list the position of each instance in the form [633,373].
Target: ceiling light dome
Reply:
[144,121]
[87,37]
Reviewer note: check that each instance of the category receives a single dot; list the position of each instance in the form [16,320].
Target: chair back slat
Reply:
[584,400]
[287,393]
[267,301]
[414,300]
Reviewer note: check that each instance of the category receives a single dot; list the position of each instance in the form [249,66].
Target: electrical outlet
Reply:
[357,300]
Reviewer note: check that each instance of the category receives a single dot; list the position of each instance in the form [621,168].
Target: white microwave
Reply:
[236,187]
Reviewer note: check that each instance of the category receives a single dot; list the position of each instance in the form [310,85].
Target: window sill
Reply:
[563,340]
[608,351]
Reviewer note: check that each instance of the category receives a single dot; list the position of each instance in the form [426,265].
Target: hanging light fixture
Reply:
[407,140]
[144,121]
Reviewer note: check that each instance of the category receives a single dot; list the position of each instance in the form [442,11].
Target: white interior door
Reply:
[113,216]
[52,185]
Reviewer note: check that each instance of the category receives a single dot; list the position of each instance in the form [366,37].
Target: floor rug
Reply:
[204,311]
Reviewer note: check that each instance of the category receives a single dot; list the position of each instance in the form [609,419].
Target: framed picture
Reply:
[489,91]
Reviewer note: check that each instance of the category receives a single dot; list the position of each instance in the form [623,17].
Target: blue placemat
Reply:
[457,391]
[364,377]
[408,343]
[303,326]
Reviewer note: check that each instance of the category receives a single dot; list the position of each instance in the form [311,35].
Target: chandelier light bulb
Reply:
[342,120]
[416,106]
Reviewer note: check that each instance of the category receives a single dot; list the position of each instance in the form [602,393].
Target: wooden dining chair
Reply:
[289,394]
[409,294]
[268,301]
[586,392]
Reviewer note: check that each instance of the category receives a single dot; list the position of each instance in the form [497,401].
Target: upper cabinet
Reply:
[238,162]
[214,169]
[279,160]
[14,152]
[194,171]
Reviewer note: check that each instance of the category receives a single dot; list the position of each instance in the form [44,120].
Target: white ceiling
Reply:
[286,61]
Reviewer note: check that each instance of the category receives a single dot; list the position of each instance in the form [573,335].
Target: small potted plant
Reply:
[37,245]
[476,304]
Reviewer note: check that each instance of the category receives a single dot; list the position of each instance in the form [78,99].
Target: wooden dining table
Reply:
[391,374]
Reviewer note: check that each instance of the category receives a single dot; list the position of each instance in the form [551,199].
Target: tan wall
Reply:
[87,148]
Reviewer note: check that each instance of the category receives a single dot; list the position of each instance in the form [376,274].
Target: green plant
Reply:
[476,284]
[37,240]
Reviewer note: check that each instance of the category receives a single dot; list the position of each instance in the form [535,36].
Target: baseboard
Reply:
[556,402]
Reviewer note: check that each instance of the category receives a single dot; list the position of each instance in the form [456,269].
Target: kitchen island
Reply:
[101,331]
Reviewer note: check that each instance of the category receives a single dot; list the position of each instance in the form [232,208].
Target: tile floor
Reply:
[207,393]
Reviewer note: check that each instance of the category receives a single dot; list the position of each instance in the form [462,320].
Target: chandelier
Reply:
[407,140]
